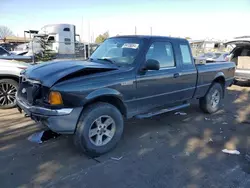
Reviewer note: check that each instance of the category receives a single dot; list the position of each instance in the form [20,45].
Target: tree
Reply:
[101,38]
[47,54]
[5,32]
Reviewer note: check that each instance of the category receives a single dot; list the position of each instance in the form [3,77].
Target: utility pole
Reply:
[89,40]
[135,30]
[151,31]
[89,32]
[82,28]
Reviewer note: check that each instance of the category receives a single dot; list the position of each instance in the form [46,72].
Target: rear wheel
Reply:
[8,90]
[99,129]
[211,102]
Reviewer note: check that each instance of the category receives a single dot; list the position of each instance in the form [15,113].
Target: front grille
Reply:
[28,90]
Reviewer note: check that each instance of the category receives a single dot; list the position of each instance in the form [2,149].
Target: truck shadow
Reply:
[194,144]
[184,148]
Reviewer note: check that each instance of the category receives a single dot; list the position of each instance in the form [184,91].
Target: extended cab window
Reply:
[163,53]
[185,53]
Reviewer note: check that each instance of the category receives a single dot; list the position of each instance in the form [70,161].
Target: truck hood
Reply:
[50,73]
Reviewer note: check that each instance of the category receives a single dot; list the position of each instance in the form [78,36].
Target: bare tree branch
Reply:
[5,32]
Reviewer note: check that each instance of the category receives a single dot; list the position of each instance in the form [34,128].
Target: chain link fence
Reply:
[41,51]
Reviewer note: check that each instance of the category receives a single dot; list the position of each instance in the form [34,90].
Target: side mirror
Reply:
[152,64]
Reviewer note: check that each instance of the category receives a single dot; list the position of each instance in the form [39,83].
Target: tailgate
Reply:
[243,62]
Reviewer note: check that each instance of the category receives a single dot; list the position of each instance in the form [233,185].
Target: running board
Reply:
[162,111]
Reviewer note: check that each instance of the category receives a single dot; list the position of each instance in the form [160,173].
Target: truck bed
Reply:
[210,71]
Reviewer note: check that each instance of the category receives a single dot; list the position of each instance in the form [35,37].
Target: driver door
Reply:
[158,87]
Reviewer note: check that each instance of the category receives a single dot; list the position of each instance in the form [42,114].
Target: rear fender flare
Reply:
[219,74]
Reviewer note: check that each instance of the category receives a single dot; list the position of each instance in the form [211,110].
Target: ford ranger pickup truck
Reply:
[126,77]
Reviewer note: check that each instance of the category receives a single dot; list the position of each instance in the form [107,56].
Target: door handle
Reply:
[176,75]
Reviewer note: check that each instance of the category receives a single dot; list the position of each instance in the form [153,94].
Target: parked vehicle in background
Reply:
[9,77]
[4,54]
[126,76]
[200,47]
[217,56]
[240,55]
[61,39]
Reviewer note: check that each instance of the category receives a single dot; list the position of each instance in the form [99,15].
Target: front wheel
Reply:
[99,129]
[8,90]
[211,102]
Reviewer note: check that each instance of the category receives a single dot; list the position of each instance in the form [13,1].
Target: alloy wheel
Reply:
[102,130]
[7,94]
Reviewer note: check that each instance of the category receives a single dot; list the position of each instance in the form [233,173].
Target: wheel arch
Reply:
[8,76]
[107,95]
[220,78]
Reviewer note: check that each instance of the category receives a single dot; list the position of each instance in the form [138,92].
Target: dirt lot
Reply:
[165,151]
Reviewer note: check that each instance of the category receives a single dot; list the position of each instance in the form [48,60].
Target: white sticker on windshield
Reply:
[130,45]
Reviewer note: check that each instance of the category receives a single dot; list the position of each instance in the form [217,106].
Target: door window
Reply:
[163,53]
[51,39]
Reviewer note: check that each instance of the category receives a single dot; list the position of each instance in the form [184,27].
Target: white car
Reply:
[9,78]
[241,56]
[4,54]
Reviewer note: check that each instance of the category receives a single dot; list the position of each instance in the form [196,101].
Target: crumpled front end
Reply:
[32,98]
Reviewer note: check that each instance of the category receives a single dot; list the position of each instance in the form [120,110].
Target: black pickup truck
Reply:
[126,77]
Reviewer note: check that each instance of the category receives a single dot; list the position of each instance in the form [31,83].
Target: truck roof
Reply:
[150,37]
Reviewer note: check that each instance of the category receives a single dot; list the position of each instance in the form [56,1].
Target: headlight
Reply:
[55,98]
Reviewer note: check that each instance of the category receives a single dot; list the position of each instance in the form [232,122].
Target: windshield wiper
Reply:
[109,60]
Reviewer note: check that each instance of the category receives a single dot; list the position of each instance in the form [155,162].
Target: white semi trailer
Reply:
[61,39]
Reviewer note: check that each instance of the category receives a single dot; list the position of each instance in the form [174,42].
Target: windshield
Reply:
[121,51]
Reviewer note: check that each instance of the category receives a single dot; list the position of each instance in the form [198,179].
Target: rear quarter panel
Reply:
[209,72]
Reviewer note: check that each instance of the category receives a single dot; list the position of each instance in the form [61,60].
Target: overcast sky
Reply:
[197,19]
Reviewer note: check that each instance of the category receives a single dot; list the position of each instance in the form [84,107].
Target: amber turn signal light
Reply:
[55,98]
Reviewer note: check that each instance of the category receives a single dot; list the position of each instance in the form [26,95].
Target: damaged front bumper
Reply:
[44,111]
[61,121]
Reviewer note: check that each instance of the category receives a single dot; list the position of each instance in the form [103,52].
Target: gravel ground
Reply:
[165,151]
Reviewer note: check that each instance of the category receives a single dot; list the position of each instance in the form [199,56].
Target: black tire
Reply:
[206,101]
[87,119]
[13,84]
[236,82]
[241,83]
